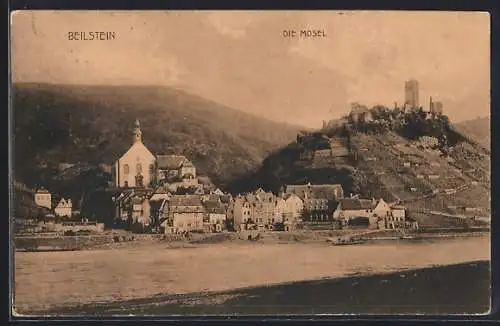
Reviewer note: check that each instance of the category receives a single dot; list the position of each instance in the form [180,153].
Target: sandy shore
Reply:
[430,291]
[46,281]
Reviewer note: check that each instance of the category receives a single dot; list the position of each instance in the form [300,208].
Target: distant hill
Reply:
[93,124]
[477,129]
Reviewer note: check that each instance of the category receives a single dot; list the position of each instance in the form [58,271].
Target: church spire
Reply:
[137,132]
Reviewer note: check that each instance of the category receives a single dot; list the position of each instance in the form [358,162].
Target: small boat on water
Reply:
[345,241]
[349,242]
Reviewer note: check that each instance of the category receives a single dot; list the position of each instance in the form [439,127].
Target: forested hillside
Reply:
[53,124]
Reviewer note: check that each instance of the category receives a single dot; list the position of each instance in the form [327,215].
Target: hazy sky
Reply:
[242,60]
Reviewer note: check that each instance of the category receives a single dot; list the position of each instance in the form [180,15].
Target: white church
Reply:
[138,167]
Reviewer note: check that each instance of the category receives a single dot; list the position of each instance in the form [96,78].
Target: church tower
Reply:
[135,168]
[137,132]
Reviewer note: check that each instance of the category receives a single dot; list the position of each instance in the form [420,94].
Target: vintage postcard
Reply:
[275,163]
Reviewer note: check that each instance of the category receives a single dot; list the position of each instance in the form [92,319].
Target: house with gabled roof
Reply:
[43,198]
[215,218]
[263,207]
[293,208]
[159,205]
[327,191]
[185,213]
[349,209]
[240,211]
[319,201]
[141,210]
[174,167]
[64,208]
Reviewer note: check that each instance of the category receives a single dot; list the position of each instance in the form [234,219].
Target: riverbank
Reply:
[431,291]
[43,243]
[84,278]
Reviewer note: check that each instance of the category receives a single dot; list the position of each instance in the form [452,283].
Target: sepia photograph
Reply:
[249,163]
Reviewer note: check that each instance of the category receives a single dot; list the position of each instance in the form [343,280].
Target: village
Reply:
[155,193]
[161,194]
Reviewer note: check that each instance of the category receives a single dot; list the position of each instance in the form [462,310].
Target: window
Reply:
[126,184]
[139,168]
[126,169]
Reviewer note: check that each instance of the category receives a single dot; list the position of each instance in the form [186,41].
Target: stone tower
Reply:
[137,132]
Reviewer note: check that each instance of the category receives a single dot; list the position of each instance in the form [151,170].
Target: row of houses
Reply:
[313,204]
[217,211]
[161,209]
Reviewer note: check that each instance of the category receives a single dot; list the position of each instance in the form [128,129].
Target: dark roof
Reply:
[326,191]
[42,191]
[185,200]
[214,207]
[170,161]
[265,196]
[286,196]
[298,190]
[212,197]
[356,204]
[316,191]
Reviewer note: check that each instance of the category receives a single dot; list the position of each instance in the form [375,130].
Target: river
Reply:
[47,280]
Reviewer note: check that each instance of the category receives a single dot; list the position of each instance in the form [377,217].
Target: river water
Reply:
[47,280]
